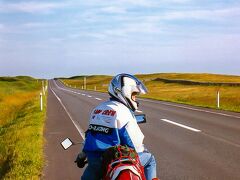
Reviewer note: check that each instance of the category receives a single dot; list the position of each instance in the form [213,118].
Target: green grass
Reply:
[177,91]
[99,81]
[202,77]
[21,128]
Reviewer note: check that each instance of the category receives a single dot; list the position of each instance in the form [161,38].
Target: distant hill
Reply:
[9,79]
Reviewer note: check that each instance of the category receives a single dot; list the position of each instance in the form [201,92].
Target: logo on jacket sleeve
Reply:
[99,129]
[106,112]
[109,112]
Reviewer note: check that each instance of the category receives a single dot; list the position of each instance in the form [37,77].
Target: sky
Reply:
[52,38]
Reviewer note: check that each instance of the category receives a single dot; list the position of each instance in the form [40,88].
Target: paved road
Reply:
[188,142]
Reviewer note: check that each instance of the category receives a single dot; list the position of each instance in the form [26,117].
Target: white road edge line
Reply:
[184,107]
[181,125]
[78,128]
[75,92]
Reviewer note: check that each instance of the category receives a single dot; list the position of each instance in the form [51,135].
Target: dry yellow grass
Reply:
[199,95]
[196,95]
[12,104]
[21,129]
[100,82]
[202,77]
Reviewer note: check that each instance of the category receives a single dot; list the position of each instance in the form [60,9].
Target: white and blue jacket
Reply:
[112,123]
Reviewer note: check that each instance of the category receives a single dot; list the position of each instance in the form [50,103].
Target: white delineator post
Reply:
[95,88]
[43,90]
[218,99]
[85,83]
[41,102]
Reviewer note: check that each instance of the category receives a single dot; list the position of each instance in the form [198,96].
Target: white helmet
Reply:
[123,86]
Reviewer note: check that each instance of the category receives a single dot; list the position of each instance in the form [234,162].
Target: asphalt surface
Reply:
[188,142]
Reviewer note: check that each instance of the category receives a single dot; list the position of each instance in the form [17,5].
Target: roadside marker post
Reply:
[43,88]
[218,99]
[85,83]
[41,102]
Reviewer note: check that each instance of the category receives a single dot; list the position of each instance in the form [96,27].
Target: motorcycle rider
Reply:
[113,123]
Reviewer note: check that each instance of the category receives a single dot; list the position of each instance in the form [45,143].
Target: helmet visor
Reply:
[139,87]
[142,89]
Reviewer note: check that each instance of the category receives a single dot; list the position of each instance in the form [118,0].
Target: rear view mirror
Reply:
[141,118]
[66,143]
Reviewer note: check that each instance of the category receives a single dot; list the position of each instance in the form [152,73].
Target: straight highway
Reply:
[188,142]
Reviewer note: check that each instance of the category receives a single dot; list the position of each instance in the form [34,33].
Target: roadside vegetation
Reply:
[193,89]
[21,128]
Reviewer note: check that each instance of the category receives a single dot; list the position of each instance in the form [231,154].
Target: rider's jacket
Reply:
[112,123]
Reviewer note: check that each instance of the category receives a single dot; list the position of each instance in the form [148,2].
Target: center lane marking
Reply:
[75,92]
[181,125]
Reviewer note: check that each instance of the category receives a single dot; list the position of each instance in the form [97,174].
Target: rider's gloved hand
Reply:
[81,160]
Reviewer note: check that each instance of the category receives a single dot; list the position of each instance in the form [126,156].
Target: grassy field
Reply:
[99,81]
[21,128]
[177,90]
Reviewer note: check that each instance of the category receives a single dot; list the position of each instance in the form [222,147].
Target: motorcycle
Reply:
[119,162]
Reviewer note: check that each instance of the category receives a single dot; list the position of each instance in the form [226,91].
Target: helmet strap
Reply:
[130,104]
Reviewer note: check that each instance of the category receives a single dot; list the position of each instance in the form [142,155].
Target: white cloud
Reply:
[113,9]
[133,28]
[35,25]
[25,27]
[3,29]
[30,7]
[149,3]
[217,14]
[94,35]
[56,40]
[136,3]
[2,26]
[149,31]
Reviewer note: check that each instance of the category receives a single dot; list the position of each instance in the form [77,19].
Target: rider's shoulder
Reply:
[113,104]
[119,108]
[114,110]
[123,113]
